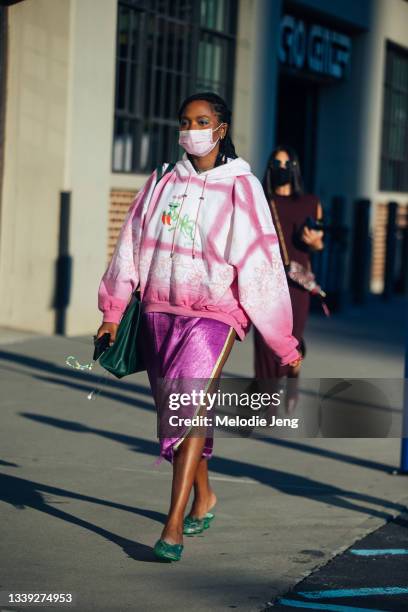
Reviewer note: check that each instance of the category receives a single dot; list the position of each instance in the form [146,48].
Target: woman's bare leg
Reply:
[185,464]
[204,496]
[187,460]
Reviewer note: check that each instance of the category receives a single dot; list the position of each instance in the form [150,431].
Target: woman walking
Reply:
[292,211]
[202,246]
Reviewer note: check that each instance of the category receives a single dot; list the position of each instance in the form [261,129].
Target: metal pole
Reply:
[404,441]
[403,272]
[389,273]
[361,256]
[337,238]
[63,265]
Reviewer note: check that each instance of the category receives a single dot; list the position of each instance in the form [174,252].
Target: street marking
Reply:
[377,552]
[363,592]
[329,607]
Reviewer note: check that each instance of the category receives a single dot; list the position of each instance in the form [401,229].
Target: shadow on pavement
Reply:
[8,464]
[285,482]
[91,381]
[22,493]
[328,454]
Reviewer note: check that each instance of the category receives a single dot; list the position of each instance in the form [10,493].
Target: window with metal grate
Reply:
[166,50]
[394,149]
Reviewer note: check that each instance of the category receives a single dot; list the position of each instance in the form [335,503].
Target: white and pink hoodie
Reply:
[204,245]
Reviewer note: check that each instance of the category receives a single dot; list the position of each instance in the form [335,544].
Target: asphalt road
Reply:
[372,575]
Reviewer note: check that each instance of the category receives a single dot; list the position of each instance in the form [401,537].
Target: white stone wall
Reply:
[255,84]
[59,121]
[88,152]
[35,134]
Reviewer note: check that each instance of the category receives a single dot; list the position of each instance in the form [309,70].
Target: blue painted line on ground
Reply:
[362,552]
[293,603]
[363,592]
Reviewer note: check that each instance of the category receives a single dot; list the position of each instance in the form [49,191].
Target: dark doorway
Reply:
[296,121]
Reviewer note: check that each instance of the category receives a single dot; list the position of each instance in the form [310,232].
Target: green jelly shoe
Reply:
[168,552]
[194,526]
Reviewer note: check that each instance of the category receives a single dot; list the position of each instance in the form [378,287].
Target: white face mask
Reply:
[198,142]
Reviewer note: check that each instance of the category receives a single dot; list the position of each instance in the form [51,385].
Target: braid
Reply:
[227,149]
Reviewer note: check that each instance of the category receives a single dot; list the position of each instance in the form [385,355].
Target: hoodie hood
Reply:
[234,167]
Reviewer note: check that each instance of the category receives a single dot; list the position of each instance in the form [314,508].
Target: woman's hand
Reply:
[297,362]
[313,238]
[108,328]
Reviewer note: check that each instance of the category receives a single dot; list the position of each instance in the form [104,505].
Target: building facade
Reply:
[88,107]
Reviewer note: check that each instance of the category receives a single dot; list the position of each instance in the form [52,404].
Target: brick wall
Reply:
[379,241]
[120,202]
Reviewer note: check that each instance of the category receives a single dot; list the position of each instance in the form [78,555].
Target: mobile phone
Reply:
[314,224]
[101,344]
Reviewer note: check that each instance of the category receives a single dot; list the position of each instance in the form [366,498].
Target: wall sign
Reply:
[313,48]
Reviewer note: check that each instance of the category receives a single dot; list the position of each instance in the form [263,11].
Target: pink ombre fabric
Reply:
[204,245]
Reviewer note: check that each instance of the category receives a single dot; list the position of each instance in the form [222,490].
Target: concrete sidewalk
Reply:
[81,502]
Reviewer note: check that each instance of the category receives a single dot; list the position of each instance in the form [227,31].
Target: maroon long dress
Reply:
[292,212]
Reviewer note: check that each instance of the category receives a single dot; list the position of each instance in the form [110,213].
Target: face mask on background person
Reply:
[281,176]
[198,142]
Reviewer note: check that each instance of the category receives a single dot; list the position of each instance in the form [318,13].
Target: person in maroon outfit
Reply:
[290,208]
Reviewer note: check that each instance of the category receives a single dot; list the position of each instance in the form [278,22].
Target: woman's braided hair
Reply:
[227,149]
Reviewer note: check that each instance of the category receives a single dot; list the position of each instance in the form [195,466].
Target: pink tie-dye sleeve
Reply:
[262,285]
[121,277]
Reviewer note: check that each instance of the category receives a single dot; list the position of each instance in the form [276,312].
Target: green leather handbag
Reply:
[124,357]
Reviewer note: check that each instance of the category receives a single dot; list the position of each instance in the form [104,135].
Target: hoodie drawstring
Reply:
[196,219]
[201,198]
[183,197]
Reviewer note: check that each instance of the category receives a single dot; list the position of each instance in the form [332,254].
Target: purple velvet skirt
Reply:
[185,349]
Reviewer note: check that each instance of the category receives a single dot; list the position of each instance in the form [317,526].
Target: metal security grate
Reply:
[166,50]
[394,152]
